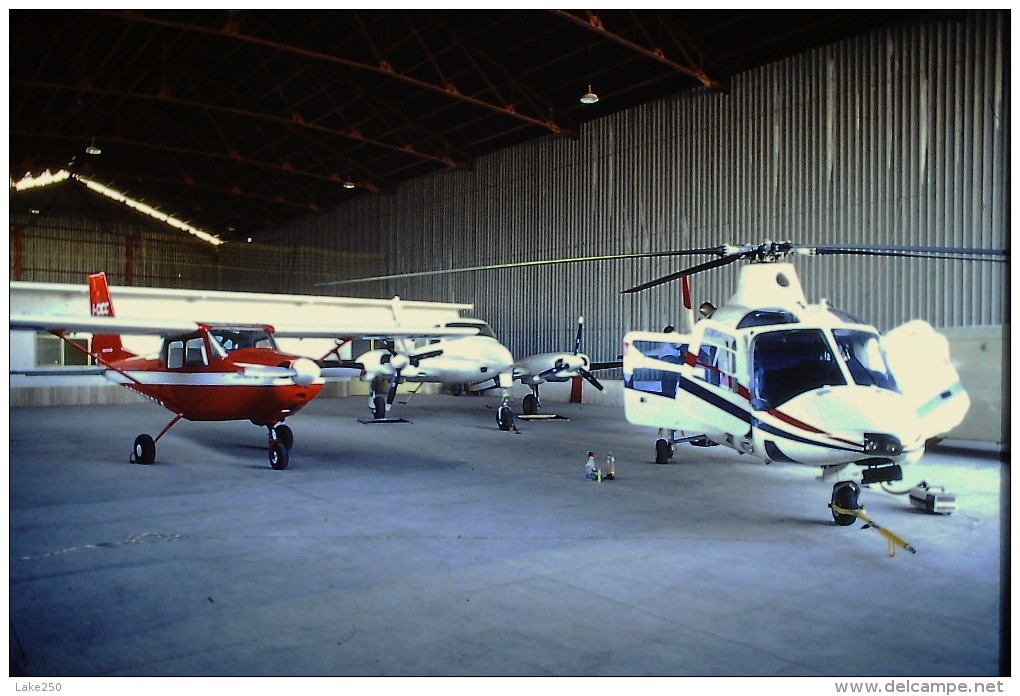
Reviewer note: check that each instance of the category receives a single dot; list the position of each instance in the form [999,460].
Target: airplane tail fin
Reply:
[106,346]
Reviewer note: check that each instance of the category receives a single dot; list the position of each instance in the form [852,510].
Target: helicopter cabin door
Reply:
[918,357]
[668,385]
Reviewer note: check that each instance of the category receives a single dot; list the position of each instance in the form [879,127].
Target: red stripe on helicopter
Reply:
[790,420]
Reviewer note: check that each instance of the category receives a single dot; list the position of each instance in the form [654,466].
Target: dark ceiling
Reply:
[240,120]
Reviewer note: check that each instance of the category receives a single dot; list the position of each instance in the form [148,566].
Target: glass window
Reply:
[785,364]
[766,317]
[194,352]
[863,355]
[651,380]
[175,354]
[231,339]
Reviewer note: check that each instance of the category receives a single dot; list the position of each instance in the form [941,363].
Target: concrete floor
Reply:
[444,546]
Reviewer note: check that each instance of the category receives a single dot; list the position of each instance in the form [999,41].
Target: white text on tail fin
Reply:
[105,346]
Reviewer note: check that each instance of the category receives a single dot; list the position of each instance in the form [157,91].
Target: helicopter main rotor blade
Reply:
[526,264]
[920,252]
[714,263]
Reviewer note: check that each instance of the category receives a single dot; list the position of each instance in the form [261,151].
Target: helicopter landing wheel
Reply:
[663,451]
[844,495]
[285,435]
[530,405]
[279,457]
[145,450]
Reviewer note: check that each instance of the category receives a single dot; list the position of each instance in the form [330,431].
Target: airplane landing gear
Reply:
[531,403]
[505,416]
[281,439]
[145,450]
[145,445]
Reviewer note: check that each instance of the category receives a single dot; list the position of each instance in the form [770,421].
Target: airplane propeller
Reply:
[560,364]
[774,251]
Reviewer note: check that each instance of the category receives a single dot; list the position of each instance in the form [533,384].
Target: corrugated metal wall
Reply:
[897,137]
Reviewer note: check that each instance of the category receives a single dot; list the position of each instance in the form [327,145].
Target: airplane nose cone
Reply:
[305,371]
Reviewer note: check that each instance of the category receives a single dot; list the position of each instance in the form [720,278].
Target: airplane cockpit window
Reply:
[231,339]
[864,358]
[785,364]
[766,317]
[481,327]
[194,352]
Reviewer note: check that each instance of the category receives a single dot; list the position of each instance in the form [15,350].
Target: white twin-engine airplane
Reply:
[777,378]
[478,362]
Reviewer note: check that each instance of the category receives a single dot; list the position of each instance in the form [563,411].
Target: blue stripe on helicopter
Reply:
[722,404]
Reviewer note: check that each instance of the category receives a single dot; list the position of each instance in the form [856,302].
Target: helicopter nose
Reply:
[305,371]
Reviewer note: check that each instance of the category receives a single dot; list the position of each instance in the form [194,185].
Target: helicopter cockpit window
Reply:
[766,317]
[785,364]
[864,358]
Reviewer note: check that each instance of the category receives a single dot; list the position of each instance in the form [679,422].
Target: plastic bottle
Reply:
[589,467]
[610,467]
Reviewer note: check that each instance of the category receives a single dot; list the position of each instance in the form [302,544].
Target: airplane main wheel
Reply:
[379,407]
[844,495]
[530,405]
[504,418]
[145,450]
[279,457]
[285,435]
[662,451]
[456,389]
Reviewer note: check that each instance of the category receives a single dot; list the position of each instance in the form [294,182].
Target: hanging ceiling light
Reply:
[92,149]
[348,184]
[589,97]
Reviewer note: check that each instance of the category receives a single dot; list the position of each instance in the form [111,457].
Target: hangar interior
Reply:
[307,150]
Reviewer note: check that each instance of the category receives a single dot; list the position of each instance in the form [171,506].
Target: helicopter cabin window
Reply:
[862,353]
[655,381]
[717,359]
[766,317]
[785,364]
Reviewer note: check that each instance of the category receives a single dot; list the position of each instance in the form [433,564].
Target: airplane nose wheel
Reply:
[145,450]
[281,439]
[505,416]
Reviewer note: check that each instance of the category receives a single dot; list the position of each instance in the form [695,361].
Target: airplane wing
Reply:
[158,327]
[368,331]
[100,325]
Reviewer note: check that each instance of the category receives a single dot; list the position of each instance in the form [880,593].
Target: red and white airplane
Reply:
[211,372]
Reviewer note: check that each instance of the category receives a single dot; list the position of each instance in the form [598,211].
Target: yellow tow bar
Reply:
[894,540]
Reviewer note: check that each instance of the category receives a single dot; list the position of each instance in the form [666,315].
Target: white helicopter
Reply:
[477,362]
[773,376]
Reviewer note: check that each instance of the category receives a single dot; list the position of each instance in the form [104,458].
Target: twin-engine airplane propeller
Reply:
[773,376]
[477,361]
[211,372]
